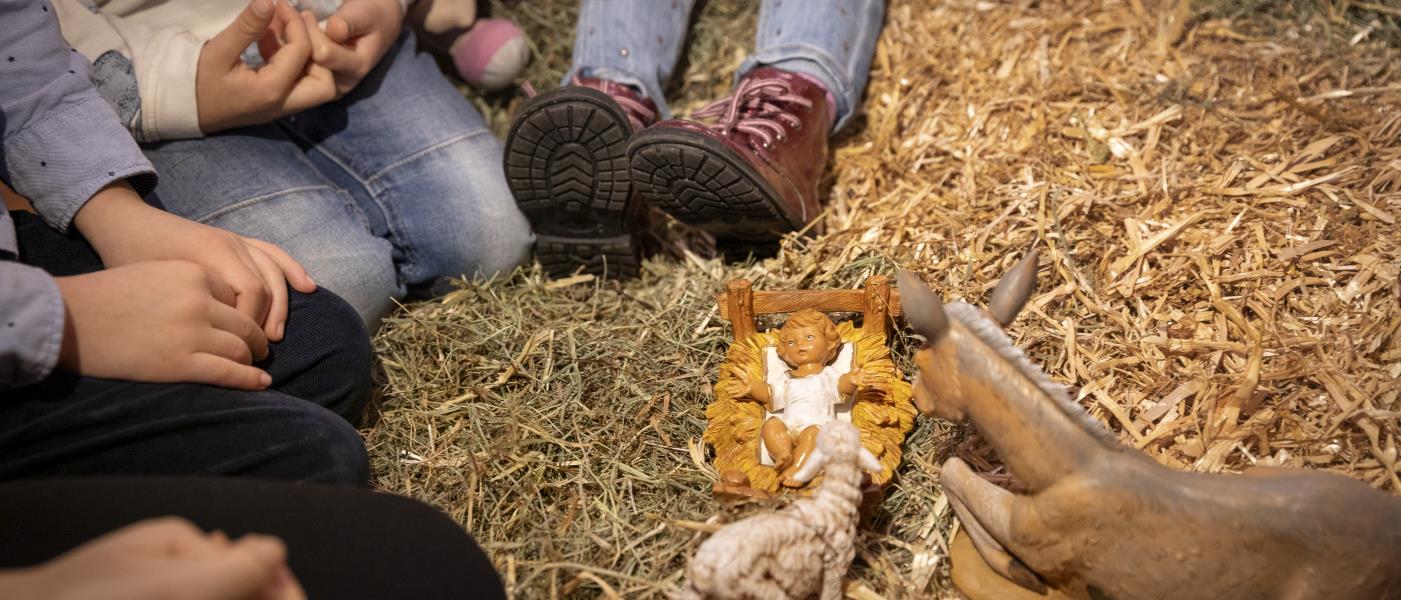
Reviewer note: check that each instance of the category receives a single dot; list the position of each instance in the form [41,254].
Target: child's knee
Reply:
[334,348]
[335,453]
[365,279]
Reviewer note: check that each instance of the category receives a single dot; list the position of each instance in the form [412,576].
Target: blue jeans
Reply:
[384,193]
[637,42]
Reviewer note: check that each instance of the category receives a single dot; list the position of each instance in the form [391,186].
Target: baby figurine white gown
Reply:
[801,402]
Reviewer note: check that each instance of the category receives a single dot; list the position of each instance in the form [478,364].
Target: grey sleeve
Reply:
[31,324]
[61,141]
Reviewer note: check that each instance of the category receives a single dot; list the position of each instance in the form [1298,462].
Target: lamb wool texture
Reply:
[801,551]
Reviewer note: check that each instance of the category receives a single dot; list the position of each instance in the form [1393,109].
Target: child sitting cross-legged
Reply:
[133,341]
[348,147]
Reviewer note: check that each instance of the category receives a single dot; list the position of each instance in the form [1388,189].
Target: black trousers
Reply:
[342,543]
[302,428]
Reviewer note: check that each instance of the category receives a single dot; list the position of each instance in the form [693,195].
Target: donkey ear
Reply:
[922,308]
[1012,292]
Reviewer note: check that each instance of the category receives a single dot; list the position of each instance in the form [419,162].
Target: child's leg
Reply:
[633,42]
[258,183]
[566,149]
[751,171]
[70,424]
[831,41]
[778,441]
[341,542]
[424,168]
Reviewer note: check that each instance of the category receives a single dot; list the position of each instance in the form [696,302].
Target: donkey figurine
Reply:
[1102,520]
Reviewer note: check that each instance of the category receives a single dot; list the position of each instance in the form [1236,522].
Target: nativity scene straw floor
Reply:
[1215,187]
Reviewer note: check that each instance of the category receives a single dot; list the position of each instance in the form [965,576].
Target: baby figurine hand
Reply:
[733,388]
[856,379]
[738,387]
[866,379]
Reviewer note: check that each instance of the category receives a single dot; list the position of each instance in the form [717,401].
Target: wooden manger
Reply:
[882,412]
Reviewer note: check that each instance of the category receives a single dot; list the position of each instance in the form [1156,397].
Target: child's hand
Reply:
[230,94]
[125,230]
[165,558]
[159,322]
[356,37]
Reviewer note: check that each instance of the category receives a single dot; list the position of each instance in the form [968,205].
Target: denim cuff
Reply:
[651,89]
[813,62]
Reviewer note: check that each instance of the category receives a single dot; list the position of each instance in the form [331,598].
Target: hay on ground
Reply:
[1215,186]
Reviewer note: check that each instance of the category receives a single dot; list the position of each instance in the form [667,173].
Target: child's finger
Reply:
[228,319]
[285,67]
[271,272]
[246,29]
[226,345]
[295,272]
[337,29]
[320,44]
[328,53]
[350,22]
[220,371]
[220,289]
[250,566]
[317,86]
[171,536]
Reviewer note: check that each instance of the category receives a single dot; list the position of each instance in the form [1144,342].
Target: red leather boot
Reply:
[750,175]
[566,165]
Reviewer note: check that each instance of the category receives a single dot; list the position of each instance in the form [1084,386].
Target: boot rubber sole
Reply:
[566,165]
[703,182]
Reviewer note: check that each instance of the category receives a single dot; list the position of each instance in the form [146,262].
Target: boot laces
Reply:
[638,113]
[760,107]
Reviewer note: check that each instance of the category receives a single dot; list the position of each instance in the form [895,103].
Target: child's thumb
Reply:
[252,565]
[247,27]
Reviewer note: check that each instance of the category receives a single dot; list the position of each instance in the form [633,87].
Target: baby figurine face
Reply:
[808,339]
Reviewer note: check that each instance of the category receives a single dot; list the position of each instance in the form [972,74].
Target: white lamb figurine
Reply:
[799,551]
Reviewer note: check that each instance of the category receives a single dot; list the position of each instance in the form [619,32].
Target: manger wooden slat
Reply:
[824,300]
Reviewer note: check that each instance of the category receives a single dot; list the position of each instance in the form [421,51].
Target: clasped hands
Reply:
[304,66]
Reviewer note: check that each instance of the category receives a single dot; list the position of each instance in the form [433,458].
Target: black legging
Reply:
[301,428]
[342,542]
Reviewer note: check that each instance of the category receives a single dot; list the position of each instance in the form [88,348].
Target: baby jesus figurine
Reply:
[808,343]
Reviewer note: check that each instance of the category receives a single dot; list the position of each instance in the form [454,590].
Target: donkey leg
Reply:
[985,511]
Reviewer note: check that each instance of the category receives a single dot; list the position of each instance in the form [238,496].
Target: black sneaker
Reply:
[567,166]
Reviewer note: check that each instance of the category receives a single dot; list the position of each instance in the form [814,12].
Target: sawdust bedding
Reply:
[1214,186]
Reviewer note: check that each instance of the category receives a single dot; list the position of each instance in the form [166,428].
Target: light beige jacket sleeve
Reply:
[164,61]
